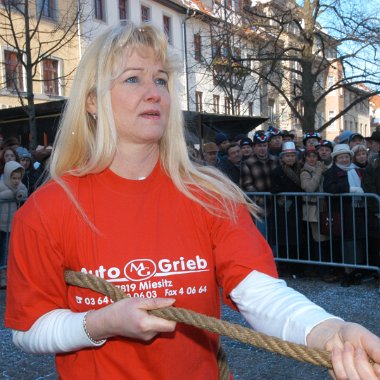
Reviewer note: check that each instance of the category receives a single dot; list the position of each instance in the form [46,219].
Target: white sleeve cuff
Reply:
[60,330]
[271,307]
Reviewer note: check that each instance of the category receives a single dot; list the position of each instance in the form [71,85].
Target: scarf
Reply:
[292,172]
[353,179]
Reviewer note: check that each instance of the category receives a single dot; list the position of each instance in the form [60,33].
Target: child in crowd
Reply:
[12,192]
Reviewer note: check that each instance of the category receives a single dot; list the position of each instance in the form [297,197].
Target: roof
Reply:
[202,125]
[205,125]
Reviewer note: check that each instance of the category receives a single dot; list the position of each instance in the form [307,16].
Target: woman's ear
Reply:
[91,107]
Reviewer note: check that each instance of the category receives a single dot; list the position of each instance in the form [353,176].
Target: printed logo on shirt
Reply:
[143,269]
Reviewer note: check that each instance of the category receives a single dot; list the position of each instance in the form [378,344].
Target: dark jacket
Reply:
[288,210]
[336,182]
[231,170]
[371,184]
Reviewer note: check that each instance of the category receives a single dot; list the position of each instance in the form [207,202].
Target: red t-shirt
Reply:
[151,241]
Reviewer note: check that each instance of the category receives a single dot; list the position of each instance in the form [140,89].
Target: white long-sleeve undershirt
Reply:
[271,307]
[267,304]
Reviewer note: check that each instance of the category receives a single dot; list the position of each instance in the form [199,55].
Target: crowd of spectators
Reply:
[273,162]
[21,172]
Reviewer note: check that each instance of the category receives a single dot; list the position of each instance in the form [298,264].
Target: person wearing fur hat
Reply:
[286,178]
[343,177]
[12,193]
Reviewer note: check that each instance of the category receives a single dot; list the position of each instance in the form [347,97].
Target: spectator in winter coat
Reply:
[286,178]
[246,148]
[8,154]
[26,161]
[343,177]
[12,192]
[371,184]
[231,166]
[360,158]
[275,140]
[311,181]
[325,148]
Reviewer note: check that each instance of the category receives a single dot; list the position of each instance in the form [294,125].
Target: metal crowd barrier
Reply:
[292,223]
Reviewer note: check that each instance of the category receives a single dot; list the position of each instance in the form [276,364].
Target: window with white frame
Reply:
[123,9]
[271,109]
[99,10]
[145,13]
[216,103]
[50,76]
[238,107]
[227,106]
[331,116]
[167,24]
[198,101]
[46,8]
[250,108]
[13,71]
[330,81]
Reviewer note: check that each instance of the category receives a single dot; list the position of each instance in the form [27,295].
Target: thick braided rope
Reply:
[233,331]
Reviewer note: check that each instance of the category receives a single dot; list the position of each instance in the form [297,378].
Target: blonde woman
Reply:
[126,203]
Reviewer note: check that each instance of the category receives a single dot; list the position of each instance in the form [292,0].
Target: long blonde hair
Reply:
[87,145]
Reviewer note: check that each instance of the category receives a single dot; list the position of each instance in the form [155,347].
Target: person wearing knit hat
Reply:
[221,140]
[343,137]
[355,139]
[246,148]
[28,178]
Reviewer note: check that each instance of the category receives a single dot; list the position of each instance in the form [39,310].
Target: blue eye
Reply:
[132,80]
[161,82]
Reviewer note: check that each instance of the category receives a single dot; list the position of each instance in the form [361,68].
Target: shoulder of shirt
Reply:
[50,197]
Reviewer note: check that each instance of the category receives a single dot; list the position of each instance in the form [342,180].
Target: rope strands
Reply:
[214,325]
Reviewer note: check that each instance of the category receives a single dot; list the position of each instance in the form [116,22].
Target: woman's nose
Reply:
[152,92]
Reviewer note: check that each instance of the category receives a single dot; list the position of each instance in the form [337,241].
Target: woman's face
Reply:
[9,156]
[311,159]
[343,159]
[361,157]
[289,158]
[140,98]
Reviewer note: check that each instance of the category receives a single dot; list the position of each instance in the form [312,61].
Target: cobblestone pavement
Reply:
[359,304]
